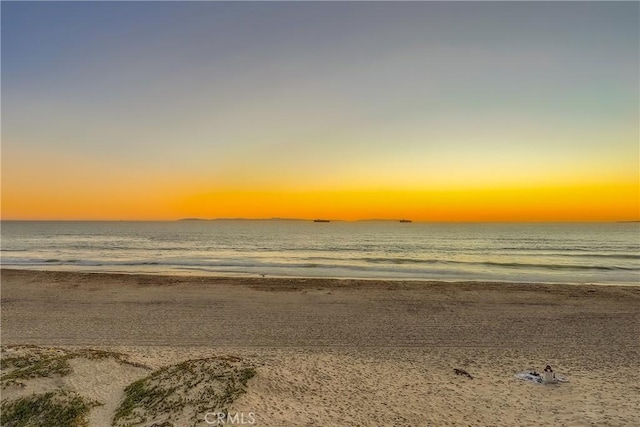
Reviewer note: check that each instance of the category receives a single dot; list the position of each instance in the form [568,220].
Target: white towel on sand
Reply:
[537,378]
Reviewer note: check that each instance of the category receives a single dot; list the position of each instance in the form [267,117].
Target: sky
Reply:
[432,111]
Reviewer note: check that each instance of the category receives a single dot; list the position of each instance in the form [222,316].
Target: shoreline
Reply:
[258,277]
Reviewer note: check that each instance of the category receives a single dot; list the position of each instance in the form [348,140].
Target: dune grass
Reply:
[175,395]
[41,364]
[33,366]
[53,409]
[183,391]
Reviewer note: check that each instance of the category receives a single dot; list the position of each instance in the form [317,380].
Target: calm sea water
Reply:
[569,253]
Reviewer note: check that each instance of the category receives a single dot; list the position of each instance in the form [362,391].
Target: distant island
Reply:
[242,219]
[292,219]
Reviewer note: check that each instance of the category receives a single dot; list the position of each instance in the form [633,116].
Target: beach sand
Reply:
[343,352]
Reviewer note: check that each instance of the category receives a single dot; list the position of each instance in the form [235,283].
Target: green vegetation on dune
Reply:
[175,395]
[42,364]
[28,367]
[186,390]
[53,409]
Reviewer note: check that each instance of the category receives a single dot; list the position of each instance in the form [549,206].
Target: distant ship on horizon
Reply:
[405,220]
[321,220]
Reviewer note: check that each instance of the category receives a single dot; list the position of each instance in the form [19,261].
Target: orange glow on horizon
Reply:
[613,202]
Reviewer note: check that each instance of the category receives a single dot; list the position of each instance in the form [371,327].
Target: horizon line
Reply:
[327,219]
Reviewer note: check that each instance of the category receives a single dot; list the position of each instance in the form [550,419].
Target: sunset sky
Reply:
[500,111]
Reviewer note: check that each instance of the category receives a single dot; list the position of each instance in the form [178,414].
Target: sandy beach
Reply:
[338,352]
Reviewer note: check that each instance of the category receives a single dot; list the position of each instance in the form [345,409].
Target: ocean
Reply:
[603,253]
